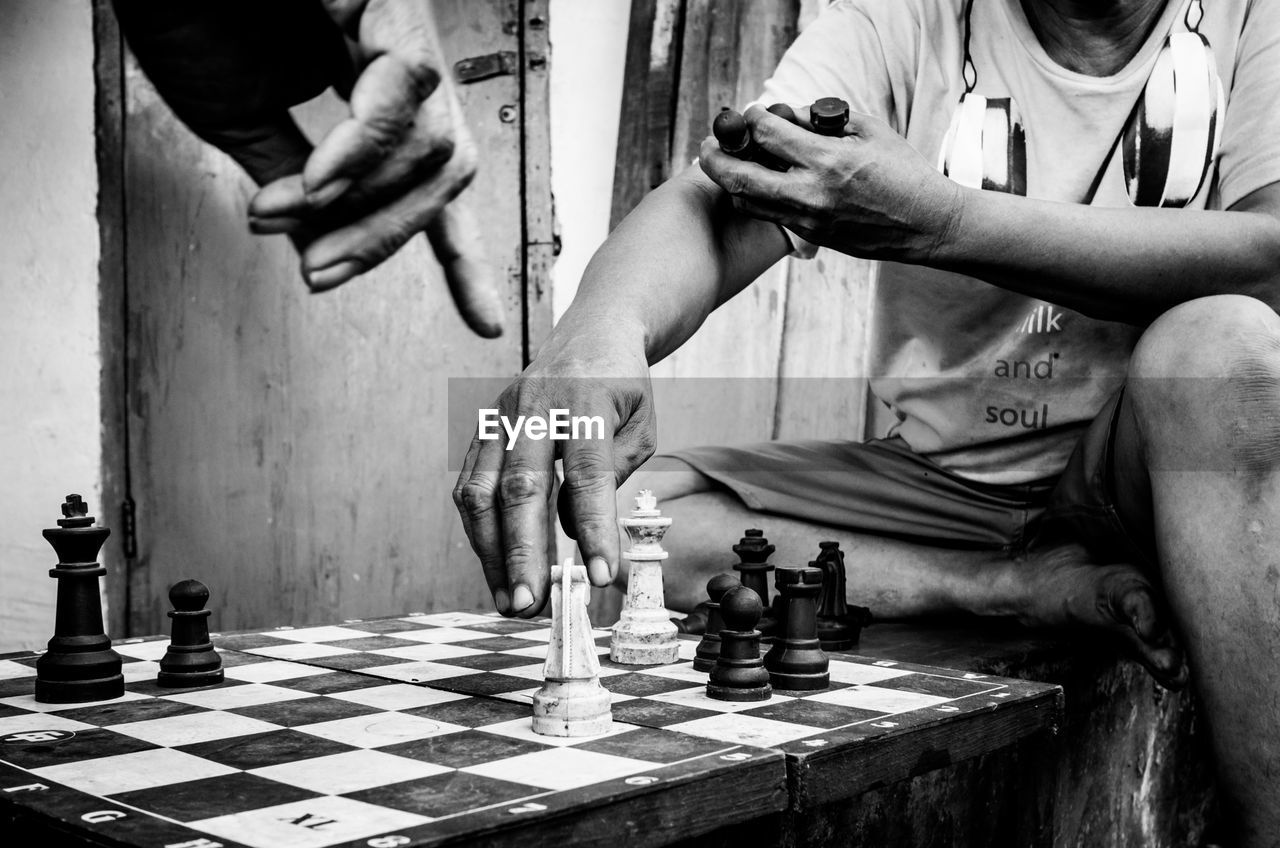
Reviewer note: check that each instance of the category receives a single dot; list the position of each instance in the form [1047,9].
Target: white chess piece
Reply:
[644,634]
[571,701]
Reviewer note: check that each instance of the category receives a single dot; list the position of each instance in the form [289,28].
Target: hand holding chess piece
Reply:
[571,701]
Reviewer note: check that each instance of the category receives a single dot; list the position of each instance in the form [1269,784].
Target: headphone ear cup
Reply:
[1172,138]
[985,146]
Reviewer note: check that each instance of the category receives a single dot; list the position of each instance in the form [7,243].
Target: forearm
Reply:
[681,253]
[1121,264]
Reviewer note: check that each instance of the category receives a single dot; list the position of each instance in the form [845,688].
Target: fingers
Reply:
[476,497]
[787,141]
[739,177]
[338,256]
[404,65]
[455,240]
[589,495]
[524,493]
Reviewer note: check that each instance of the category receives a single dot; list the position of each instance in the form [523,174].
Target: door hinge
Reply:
[476,68]
[128,529]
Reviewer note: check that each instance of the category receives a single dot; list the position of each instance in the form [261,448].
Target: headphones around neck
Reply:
[1168,145]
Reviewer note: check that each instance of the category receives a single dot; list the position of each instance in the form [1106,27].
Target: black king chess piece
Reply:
[796,660]
[190,659]
[704,658]
[79,665]
[739,673]
[753,569]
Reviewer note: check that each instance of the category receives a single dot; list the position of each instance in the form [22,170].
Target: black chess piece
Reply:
[836,629]
[753,569]
[796,660]
[79,665]
[708,649]
[828,116]
[191,659]
[739,673]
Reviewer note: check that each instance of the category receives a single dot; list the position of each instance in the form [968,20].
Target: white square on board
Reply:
[379,729]
[327,633]
[349,771]
[697,697]
[418,672]
[847,672]
[397,696]
[676,671]
[273,670]
[880,699]
[28,722]
[173,731]
[153,650]
[427,651]
[135,672]
[299,651]
[29,702]
[744,730]
[314,823]
[241,695]
[10,670]
[452,619]
[560,768]
[129,772]
[522,728]
[441,635]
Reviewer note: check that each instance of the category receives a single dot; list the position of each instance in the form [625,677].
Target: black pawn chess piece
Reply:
[836,629]
[704,658]
[828,116]
[79,665]
[739,673]
[796,660]
[753,569]
[191,659]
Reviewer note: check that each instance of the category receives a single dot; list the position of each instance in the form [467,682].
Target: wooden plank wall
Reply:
[786,357]
[290,450]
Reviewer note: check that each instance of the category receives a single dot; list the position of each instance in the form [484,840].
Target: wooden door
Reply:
[291,450]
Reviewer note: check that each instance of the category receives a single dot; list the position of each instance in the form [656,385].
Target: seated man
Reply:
[1074,328]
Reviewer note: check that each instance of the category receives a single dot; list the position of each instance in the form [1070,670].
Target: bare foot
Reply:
[1063,587]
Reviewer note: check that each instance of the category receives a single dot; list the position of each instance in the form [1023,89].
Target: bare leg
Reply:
[1204,398]
[898,579]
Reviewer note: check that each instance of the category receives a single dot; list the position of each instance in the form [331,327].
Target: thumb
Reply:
[455,240]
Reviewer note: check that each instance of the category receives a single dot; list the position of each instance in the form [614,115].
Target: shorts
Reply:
[881,487]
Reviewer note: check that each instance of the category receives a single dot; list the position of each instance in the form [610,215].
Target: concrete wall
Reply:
[49,363]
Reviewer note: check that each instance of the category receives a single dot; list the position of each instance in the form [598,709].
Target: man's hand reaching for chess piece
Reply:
[232,69]
[504,495]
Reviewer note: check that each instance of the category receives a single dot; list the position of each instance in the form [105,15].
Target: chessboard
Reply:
[288,754]
[416,731]
[876,722]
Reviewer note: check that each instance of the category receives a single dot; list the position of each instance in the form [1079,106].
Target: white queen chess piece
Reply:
[571,701]
[644,634]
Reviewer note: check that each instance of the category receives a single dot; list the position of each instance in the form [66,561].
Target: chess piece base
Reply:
[799,682]
[189,679]
[79,691]
[642,653]
[571,708]
[726,693]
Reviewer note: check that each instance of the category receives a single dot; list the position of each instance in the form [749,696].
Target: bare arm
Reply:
[870,194]
[679,255]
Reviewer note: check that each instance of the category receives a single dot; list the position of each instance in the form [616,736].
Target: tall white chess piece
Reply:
[571,701]
[644,634]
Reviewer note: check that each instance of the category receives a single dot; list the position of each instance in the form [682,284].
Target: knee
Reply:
[1208,372]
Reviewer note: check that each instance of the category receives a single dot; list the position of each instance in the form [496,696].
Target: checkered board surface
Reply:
[289,754]
[872,709]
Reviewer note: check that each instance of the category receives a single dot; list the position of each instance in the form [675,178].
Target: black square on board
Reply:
[81,745]
[265,749]
[214,796]
[648,713]
[659,746]
[814,714]
[472,712]
[122,712]
[442,794]
[305,711]
[489,662]
[465,748]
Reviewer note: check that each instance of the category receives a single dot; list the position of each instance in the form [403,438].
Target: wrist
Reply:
[946,245]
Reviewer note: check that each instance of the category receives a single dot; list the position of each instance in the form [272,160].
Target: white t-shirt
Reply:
[995,385]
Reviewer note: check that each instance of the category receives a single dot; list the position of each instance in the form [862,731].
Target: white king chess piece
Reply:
[644,634]
[571,701]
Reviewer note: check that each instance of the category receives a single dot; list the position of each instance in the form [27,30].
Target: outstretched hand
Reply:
[231,70]
[868,194]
